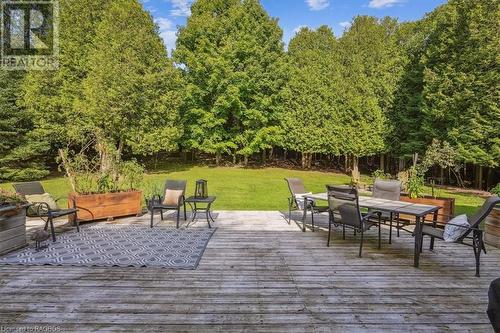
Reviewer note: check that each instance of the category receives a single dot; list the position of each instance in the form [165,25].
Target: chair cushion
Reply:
[46,198]
[172,197]
[300,200]
[452,231]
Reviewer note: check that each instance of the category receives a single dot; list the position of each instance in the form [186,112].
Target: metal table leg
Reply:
[209,216]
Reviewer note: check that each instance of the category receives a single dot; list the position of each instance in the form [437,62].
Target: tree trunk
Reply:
[488,179]
[479,184]
[217,158]
[245,160]
[285,153]
[355,169]
[264,155]
[382,162]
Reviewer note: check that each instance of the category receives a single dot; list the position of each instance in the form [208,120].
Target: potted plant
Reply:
[12,221]
[413,179]
[103,193]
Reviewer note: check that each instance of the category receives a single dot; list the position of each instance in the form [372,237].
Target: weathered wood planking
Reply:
[260,274]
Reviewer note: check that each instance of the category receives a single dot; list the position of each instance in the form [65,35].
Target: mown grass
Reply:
[250,189]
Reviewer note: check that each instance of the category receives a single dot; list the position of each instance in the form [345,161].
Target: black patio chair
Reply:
[473,233]
[388,190]
[295,202]
[43,209]
[158,201]
[344,210]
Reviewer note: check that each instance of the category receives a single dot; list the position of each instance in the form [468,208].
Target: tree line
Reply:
[231,89]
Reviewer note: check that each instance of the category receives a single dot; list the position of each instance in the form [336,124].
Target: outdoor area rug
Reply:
[119,245]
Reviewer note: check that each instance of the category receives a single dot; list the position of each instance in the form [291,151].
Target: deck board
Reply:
[259,274]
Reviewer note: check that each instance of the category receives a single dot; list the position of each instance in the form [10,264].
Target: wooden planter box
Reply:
[447,207]
[106,206]
[492,228]
[12,228]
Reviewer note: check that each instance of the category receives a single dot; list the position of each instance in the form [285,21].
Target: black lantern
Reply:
[201,190]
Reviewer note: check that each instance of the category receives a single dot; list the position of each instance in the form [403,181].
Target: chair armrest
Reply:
[370,215]
[41,208]
[432,223]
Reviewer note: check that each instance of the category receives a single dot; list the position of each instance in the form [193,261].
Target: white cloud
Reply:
[345,24]
[181,7]
[318,4]
[168,32]
[297,29]
[383,3]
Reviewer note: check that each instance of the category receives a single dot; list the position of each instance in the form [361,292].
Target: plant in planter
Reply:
[413,179]
[10,199]
[104,192]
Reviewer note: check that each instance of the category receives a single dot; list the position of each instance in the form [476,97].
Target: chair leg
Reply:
[289,212]
[312,218]
[361,243]
[152,215]
[77,224]
[397,226]
[343,231]
[477,240]
[161,214]
[185,216]
[390,229]
[178,216]
[329,231]
[52,229]
[379,233]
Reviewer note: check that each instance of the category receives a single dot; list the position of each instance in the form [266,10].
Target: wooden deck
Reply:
[260,274]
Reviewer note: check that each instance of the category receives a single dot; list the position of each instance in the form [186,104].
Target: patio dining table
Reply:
[396,207]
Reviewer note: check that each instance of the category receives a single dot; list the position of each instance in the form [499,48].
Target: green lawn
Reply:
[251,189]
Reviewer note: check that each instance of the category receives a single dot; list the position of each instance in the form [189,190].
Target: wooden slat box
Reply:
[12,229]
[492,230]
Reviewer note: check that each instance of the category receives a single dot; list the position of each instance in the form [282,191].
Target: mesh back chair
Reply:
[43,210]
[473,235]
[296,202]
[388,190]
[157,202]
[344,210]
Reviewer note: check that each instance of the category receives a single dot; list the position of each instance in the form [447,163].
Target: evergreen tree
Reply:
[233,54]
[131,94]
[461,76]
[311,117]
[15,126]
[362,118]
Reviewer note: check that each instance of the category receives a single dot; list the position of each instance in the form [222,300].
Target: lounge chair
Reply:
[173,199]
[473,235]
[44,206]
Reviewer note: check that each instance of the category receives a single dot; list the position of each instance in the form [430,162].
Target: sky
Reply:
[294,14]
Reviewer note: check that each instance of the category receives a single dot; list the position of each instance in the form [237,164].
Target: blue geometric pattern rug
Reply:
[119,245]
